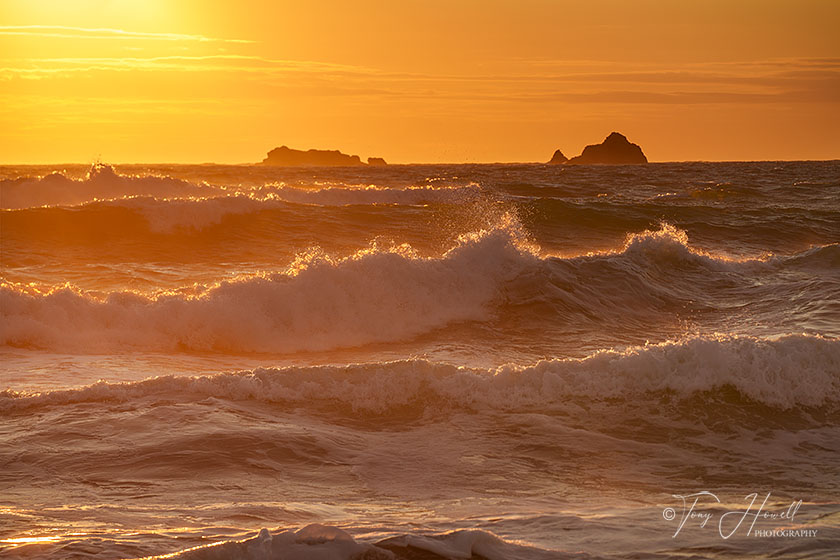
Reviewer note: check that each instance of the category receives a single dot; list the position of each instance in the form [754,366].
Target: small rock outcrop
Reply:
[377,161]
[615,149]
[287,156]
[558,158]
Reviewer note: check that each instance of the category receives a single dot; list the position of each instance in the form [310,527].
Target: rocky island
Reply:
[329,158]
[558,158]
[615,149]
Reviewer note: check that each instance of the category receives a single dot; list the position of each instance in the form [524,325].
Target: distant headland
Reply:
[328,158]
[615,149]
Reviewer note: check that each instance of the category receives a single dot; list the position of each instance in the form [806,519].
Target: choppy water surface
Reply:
[486,361]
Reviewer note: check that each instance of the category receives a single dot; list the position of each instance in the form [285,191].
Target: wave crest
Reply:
[168,195]
[102,182]
[390,293]
[375,295]
[324,541]
[790,371]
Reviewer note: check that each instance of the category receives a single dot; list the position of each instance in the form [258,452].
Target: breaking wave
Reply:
[387,294]
[318,303]
[102,182]
[164,199]
[175,215]
[785,372]
[323,541]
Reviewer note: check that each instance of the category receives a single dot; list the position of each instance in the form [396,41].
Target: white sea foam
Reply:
[102,182]
[171,197]
[319,303]
[165,216]
[380,294]
[790,371]
[323,542]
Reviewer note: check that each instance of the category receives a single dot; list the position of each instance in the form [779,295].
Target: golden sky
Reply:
[417,81]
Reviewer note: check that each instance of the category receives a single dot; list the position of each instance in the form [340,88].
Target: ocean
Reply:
[512,361]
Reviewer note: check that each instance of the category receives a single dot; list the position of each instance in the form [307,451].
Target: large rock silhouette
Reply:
[287,156]
[615,149]
[558,158]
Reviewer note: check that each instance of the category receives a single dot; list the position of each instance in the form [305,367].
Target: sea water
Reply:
[421,361]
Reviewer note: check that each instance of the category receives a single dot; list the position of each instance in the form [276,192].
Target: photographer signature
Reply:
[729,522]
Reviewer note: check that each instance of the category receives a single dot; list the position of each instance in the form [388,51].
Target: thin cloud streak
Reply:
[771,71]
[789,81]
[46,67]
[69,32]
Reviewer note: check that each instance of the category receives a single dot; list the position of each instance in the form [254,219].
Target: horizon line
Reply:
[7,164]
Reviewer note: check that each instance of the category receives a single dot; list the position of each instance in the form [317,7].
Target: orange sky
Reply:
[417,81]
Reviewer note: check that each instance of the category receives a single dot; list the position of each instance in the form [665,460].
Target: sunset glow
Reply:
[439,280]
[465,81]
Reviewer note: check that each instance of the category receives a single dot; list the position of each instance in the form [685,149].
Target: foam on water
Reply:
[354,297]
[202,203]
[790,371]
[318,303]
[171,214]
[386,294]
[321,542]
[403,428]
[102,182]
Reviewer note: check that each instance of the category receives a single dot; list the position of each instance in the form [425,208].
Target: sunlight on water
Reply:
[428,362]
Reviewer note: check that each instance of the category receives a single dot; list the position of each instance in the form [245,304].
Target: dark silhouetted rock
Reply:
[616,149]
[376,161]
[558,158]
[287,156]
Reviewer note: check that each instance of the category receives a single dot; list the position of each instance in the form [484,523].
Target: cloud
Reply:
[69,32]
[774,81]
[36,68]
